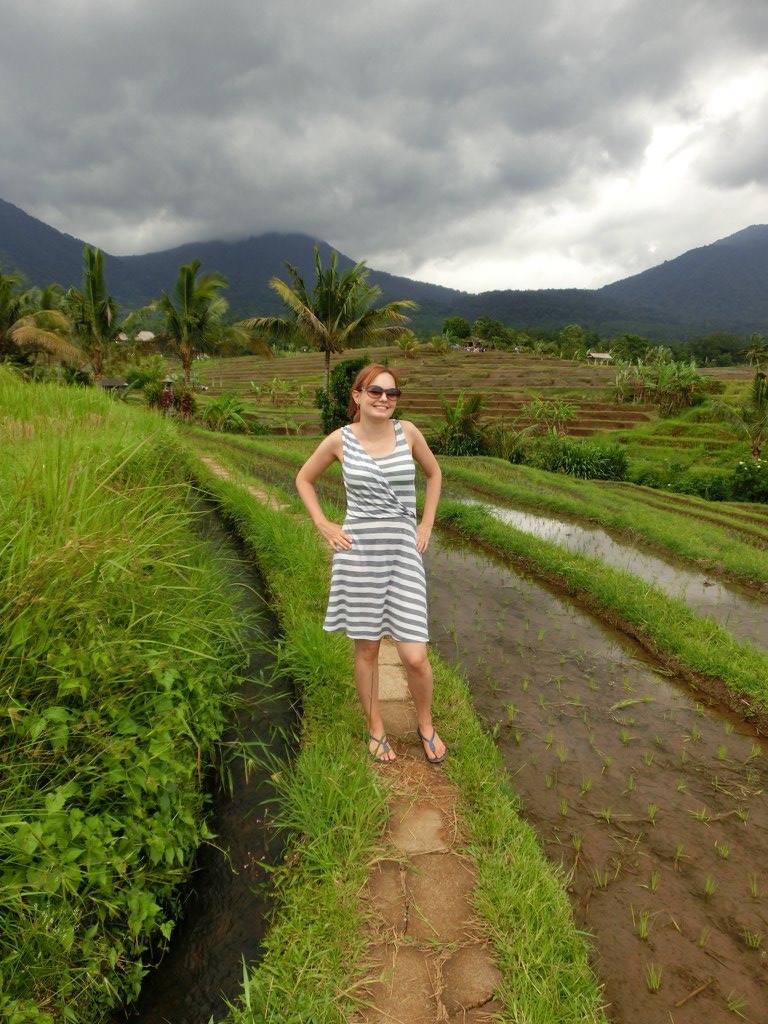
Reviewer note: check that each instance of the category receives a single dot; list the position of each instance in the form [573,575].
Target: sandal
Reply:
[431,744]
[385,747]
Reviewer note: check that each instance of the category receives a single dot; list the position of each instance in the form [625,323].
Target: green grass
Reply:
[314,952]
[119,651]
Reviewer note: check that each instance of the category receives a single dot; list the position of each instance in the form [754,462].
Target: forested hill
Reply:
[722,286]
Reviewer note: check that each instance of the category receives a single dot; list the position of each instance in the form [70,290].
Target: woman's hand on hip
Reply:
[335,536]
[423,533]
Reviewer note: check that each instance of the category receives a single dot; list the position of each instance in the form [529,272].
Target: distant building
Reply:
[600,357]
[145,336]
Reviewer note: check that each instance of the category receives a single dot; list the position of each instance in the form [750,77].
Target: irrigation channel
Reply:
[739,610]
[654,803]
[226,903]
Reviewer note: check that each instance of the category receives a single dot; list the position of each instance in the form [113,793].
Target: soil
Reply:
[594,733]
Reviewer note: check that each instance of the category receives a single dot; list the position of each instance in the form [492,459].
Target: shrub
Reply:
[586,459]
[226,413]
[462,433]
[151,370]
[749,480]
[333,404]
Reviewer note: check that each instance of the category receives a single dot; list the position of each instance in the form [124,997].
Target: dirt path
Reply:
[430,959]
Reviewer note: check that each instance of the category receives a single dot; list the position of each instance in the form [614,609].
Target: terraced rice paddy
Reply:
[653,802]
[507,381]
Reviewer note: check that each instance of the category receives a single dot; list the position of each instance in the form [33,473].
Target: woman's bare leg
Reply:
[367,683]
[418,671]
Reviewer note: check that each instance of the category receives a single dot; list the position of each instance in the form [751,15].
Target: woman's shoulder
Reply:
[410,430]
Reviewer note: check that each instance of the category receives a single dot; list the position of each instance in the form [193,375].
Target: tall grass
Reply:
[119,643]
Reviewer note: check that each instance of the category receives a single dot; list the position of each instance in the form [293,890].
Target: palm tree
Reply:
[194,317]
[30,321]
[751,418]
[757,350]
[338,313]
[93,311]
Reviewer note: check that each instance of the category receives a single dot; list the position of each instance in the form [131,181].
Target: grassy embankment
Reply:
[119,651]
[333,805]
[690,644]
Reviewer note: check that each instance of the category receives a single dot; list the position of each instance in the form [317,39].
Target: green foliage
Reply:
[150,370]
[669,385]
[93,311]
[550,414]
[462,433]
[458,326]
[585,459]
[750,481]
[226,413]
[105,728]
[333,402]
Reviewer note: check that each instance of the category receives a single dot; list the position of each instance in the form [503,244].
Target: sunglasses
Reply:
[376,392]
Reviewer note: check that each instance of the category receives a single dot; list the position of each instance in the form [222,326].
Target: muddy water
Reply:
[741,613]
[597,743]
[227,901]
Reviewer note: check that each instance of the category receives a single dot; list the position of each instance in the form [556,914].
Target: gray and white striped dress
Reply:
[378,587]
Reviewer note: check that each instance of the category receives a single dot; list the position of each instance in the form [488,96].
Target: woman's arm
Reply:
[422,453]
[317,463]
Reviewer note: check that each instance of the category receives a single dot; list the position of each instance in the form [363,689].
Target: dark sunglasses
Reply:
[376,392]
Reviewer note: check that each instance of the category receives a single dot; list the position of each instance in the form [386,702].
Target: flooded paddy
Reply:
[227,901]
[655,803]
[735,608]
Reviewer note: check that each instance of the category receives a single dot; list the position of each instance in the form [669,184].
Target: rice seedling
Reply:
[577,841]
[723,850]
[563,808]
[701,814]
[736,1004]
[518,737]
[754,886]
[652,811]
[681,786]
[549,739]
[606,814]
[703,940]
[700,709]
[659,742]
[601,878]
[679,854]
[653,975]
[641,923]
[710,887]
[648,759]
[525,682]
[586,785]
[606,762]
[654,881]
[753,940]
[695,735]
[722,752]
[550,780]
[755,752]
[625,737]
[728,728]
[631,784]
[742,813]
[512,712]
[562,753]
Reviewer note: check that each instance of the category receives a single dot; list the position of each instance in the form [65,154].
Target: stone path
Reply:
[430,959]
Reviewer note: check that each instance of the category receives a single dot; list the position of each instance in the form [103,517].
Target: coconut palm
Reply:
[757,351]
[338,313]
[31,322]
[93,312]
[194,317]
[750,419]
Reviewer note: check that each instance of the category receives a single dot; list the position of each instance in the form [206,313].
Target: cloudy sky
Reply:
[483,144]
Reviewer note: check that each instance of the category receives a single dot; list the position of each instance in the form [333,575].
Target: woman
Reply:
[377,578]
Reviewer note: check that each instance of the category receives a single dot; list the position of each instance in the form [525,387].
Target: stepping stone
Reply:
[440,889]
[392,683]
[388,653]
[388,895]
[399,718]
[416,826]
[470,978]
[404,992]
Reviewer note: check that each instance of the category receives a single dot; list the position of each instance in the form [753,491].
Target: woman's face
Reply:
[378,407]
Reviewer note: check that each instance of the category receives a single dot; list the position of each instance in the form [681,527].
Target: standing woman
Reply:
[378,586]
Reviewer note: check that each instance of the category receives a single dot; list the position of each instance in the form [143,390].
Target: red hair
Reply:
[361,382]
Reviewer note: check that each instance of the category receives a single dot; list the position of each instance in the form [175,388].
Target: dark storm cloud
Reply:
[408,127]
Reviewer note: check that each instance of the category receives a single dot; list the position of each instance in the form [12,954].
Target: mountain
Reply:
[722,286]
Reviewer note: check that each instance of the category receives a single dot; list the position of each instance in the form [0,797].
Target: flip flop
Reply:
[431,744]
[385,747]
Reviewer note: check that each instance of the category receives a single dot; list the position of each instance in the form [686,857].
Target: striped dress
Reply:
[378,586]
